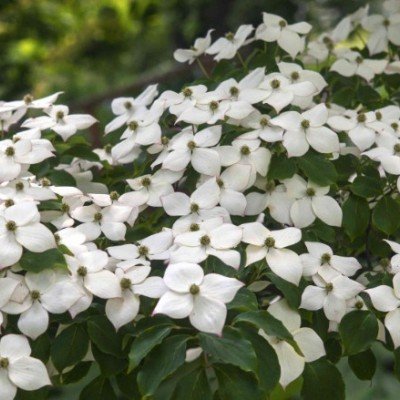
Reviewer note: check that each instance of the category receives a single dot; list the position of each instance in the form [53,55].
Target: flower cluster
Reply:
[248,212]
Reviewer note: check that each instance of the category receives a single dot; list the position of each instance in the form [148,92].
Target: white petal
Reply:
[286,237]
[34,321]
[208,315]
[295,143]
[286,264]
[153,287]
[392,323]
[181,276]
[28,373]
[11,250]
[175,305]
[225,236]
[219,287]
[176,204]
[103,284]
[14,346]
[7,389]
[313,298]
[310,344]
[302,213]
[323,139]
[383,298]
[123,310]
[35,237]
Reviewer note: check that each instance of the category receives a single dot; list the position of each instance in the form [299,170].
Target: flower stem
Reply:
[203,70]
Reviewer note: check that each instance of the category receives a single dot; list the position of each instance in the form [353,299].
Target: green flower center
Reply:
[269,242]
[194,289]
[4,363]
[10,151]
[143,251]
[205,240]
[35,295]
[11,226]
[125,283]
[194,208]
[82,271]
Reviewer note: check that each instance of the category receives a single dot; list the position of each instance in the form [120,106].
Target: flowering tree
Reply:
[229,240]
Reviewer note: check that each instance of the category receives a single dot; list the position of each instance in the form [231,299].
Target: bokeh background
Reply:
[95,50]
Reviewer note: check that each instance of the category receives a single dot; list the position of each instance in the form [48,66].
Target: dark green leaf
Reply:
[61,178]
[99,389]
[36,262]
[318,169]
[386,215]
[355,216]
[193,386]
[365,186]
[358,330]
[322,381]
[281,167]
[109,364]
[290,291]
[363,365]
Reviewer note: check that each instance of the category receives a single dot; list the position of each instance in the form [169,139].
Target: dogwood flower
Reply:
[29,102]
[200,297]
[311,201]
[20,227]
[60,121]
[199,47]
[321,260]
[330,295]
[226,48]
[18,369]
[270,245]
[307,129]
[276,29]
[312,347]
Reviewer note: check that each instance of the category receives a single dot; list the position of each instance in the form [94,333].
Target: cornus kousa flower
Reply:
[352,63]
[226,48]
[382,31]
[60,121]
[18,369]
[199,47]
[276,29]
[126,108]
[321,260]
[330,295]
[292,363]
[387,299]
[209,238]
[200,297]
[195,148]
[311,201]
[134,281]
[20,227]
[280,91]
[270,245]
[361,127]
[307,129]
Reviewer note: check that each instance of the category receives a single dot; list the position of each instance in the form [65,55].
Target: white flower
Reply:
[209,238]
[20,227]
[382,30]
[330,295]
[352,63]
[134,281]
[226,48]
[311,201]
[60,121]
[276,29]
[127,108]
[270,245]
[200,297]
[196,150]
[321,260]
[18,369]
[199,47]
[29,102]
[307,129]
[280,91]
[310,344]
[387,299]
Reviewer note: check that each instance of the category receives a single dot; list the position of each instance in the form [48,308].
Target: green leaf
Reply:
[235,384]
[37,262]
[82,151]
[162,362]
[322,381]
[245,300]
[268,370]
[366,186]
[363,365]
[281,167]
[318,169]
[232,348]
[358,330]
[102,333]
[99,389]
[396,368]
[193,386]
[265,321]
[290,291]
[355,216]
[145,342]
[61,178]
[109,364]
[69,347]
[78,372]
[386,215]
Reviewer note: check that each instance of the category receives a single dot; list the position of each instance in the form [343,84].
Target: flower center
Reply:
[28,98]
[396,148]
[264,122]
[325,258]
[282,23]
[359,60]
[234,91]
[378,115]
[133,125]
[213,105]
[194,227]
[108,148]
[35,295]
[11,226]
[359,305]
[310,192]
[128,105]
[187,92]
[65,208]
[329,287]
[146,182]
[19,186]
[143,251]
[98,217]
[59,115]
[245,150]
[4,363]
[9,203]
[194,289]
[230,36]
[275,83]
[45,182]
[125,283]
[395,126]
[10,151]
[361,117]
[295,75]
[194,208]
[220,182]
[269,242]
[114,195]
[305,124]
[386,22]
[205,240]
[164,140]
[191,145]
[82,271]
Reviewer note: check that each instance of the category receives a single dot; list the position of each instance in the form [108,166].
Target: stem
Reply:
[241,60]
[203,70]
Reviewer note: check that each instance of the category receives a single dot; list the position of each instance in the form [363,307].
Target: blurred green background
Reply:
[95,50]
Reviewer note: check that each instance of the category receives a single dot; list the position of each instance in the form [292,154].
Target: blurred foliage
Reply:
[85,47]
